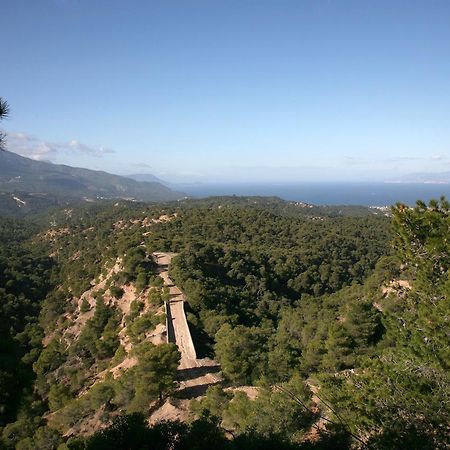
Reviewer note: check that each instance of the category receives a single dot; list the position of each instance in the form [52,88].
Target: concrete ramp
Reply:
[182,333]
[177,327]
[195,375]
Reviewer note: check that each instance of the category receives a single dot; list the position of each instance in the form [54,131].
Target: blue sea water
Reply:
[336,193]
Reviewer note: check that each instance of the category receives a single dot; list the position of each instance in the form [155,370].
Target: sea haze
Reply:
[332,193]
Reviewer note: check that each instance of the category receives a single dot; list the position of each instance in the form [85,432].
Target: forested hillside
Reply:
[279,207]
[29,186]
[330,329]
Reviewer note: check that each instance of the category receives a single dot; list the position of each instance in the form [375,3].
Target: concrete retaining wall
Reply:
[170,334]
[191,349]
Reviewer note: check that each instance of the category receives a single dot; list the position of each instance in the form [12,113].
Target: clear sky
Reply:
[248,90]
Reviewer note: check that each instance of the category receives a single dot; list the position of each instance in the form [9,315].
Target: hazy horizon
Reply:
[230,90]
[248,177]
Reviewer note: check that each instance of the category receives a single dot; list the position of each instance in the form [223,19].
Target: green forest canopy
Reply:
[289,301]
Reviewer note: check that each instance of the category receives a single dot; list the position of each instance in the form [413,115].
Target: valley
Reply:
[251,319]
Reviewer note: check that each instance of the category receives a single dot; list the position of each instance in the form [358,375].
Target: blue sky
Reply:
[230,90]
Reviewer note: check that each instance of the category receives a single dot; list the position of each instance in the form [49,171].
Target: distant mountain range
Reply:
[431,178]
[148,178]
[25,182]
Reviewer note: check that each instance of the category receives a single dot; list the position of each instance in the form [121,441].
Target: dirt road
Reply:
[195,374]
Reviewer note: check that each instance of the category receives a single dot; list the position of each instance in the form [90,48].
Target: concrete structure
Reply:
[176,323]
[195,375]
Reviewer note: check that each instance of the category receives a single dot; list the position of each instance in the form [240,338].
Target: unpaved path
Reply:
[195,374]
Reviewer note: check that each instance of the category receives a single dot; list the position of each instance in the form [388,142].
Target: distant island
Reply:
[426,178]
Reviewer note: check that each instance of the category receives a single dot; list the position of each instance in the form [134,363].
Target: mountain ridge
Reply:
[149,178]
[62,183]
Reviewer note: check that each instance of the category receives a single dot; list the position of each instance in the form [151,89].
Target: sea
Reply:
[329,193]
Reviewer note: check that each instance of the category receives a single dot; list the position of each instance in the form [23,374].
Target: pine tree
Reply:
[4,111]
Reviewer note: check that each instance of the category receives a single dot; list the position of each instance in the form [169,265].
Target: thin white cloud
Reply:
[439,157]
[141,165]
[402,159]
[180,173]
[38,149]
[353,161]
[356,161]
